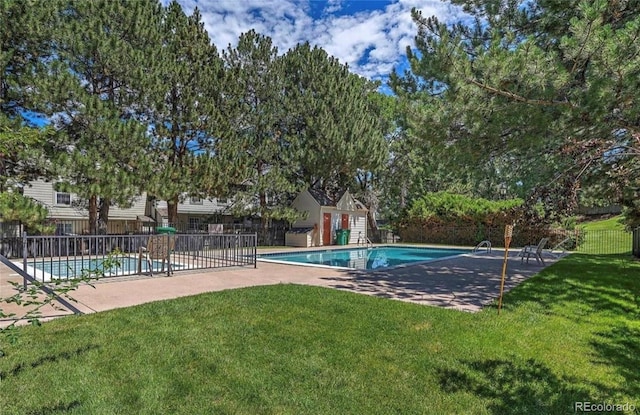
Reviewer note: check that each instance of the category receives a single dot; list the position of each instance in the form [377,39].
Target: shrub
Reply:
[448,218]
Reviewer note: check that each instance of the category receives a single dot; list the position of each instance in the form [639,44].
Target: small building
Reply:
[324,216]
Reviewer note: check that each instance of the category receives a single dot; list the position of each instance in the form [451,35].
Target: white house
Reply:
[71,218]
[193,212]
[324,216]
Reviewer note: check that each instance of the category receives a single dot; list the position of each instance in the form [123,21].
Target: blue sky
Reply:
[370,36]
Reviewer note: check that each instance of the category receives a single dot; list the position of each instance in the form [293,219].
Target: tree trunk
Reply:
[264,218]
[373,224]
[103,216]
[172,211]
[93,215]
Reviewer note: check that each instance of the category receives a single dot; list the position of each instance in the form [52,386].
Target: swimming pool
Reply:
[364,258]
[48,270]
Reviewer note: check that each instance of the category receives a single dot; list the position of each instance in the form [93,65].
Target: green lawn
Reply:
[572,333]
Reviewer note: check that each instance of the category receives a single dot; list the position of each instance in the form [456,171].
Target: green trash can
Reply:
[347,236]
[166,230]
[341,237]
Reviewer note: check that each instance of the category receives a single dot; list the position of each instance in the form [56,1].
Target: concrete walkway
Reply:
[464,283]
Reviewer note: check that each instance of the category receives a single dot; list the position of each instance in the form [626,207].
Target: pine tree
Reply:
[192,144]
[338,122]
[92,92]
[261,120]
[24,44]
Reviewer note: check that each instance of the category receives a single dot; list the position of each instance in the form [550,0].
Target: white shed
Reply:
[324,216]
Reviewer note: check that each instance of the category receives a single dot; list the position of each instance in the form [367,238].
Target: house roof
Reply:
[321,197]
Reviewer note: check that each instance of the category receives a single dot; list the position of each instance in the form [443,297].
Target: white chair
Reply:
[560,246]
[535,250]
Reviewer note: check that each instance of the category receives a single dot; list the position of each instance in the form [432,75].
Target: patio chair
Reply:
[535,250]
[158,248]
[560,246]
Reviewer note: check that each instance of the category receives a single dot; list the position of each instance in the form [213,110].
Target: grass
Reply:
[572,333]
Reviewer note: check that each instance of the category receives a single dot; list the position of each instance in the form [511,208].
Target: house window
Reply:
[195,201]
[222,200]
[194,224]
[63,198]
[64,228]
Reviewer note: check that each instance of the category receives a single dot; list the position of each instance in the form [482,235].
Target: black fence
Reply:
[636,242]
[49,258]
[271,236]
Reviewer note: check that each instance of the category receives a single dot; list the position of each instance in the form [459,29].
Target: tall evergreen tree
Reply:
[192,144]
[337,120]
[91,92]
[24,46]
[261,119]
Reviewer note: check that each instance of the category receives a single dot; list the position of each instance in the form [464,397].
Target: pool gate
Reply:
[48,258]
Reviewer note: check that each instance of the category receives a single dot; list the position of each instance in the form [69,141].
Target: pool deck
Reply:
[465,283]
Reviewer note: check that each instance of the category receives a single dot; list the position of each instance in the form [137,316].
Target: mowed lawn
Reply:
[569,334]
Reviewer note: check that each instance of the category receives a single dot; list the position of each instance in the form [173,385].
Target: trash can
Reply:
[166,230]
[347,236]
[341,237]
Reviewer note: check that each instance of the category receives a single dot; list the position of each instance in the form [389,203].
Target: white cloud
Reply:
[371,42]
[332,6]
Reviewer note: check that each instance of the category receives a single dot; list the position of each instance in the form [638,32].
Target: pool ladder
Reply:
[365,241]
[484,243]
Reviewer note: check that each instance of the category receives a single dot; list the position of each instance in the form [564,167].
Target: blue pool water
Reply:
[363,258]
[46,270]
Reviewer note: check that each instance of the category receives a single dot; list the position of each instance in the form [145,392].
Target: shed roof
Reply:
[321,197]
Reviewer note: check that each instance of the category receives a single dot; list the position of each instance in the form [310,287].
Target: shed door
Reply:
[345,221]
[326,229]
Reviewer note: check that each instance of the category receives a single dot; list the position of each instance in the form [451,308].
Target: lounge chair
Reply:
[560,246]
[159,248]
[535,250]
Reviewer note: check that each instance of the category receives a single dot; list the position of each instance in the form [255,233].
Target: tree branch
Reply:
[517,97]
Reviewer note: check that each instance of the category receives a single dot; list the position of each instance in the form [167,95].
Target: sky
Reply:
[371,36]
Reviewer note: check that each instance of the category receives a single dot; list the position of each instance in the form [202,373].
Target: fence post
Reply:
[168,254]
[636,242]
[255,250]
[24,258]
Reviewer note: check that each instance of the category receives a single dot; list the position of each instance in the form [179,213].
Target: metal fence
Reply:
[48,258]
[636,242]
[271,236]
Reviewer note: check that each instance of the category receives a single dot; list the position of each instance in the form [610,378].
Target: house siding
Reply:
[358,223]
[304,202]
[76,219]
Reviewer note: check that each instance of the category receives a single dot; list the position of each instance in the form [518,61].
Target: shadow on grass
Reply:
[526,387]
[583,284]
[620,348]
[53,358]
[55,409]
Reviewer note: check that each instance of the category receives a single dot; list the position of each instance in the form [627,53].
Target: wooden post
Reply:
[508,233]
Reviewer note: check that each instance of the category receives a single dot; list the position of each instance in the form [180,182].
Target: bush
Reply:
[446,218]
